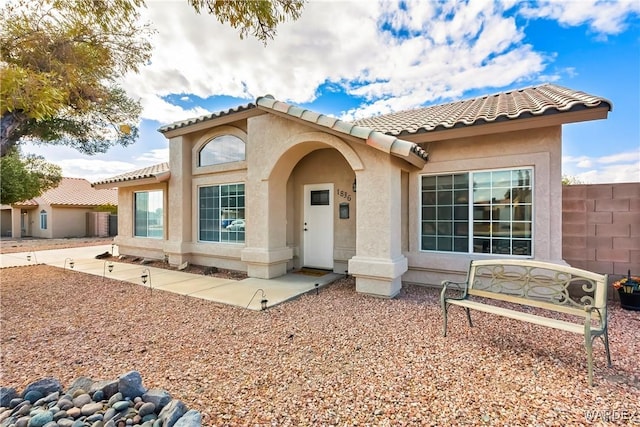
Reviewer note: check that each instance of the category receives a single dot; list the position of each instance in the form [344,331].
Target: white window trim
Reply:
[197,225]
[222,167]
[163,214]
[470,214]
[44,219]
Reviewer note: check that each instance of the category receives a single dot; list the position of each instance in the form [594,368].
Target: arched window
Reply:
[221,149]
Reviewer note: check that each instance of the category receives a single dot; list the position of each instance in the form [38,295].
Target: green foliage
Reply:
[258,17]
[112,209]
[61,63]
[571,180]
[23,178]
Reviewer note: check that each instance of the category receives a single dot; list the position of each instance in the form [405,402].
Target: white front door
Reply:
[318,226]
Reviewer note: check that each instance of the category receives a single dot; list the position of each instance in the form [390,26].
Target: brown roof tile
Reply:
[528,102]
[206,117]
[395,146]
[74,192]
[148,172]
[518,104]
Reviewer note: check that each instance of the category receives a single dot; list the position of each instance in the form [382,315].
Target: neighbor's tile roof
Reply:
[74,192]
[148,172]
[522,103]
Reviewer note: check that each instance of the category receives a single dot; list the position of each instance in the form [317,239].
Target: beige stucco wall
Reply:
[538,148]
[68,222]
[33,218]
[5,222]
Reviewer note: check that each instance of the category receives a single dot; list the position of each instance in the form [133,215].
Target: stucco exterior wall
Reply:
[5,222]
[538,148]
[68,222]
[33,217]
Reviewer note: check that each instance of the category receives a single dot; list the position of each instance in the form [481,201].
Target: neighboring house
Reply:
[411,196]
[64,211]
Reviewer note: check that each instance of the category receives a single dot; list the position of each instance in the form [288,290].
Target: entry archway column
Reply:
[266,253]
[379,262]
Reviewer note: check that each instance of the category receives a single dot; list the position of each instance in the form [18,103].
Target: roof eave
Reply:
[129,182]
[172,132]
[521,123]
[410,157]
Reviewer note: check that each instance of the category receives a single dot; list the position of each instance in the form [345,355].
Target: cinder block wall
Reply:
[601,228]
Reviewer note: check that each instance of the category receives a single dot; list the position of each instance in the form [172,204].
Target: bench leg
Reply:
[469,316]
[589,347]
[605,338]
[445,307]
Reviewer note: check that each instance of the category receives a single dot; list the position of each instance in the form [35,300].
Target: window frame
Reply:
[472,224]
[212,141]
[44,219]
[135,215]
[222,235]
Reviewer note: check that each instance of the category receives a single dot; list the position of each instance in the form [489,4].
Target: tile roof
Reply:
[382,132]
[154,171]
[74,192]
[188,122]
[517,104]
[378,140]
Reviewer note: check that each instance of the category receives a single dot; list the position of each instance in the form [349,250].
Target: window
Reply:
[221,213]
[149,215]
[222,149]
[480,212]
[43,219]
[320,198]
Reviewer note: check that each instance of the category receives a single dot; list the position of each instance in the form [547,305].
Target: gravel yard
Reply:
[9,245]
[337,358]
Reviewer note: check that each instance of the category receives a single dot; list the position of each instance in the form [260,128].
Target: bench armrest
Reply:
[460,286]
[601,319]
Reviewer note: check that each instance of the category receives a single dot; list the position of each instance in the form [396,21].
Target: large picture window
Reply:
[221,213]
[222,149]
[149,217]
[478,212]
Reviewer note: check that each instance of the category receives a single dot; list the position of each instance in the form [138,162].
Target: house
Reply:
[411,196]
[65,211]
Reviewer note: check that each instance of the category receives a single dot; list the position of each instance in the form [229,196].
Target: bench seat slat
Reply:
[576,311]
[519,315]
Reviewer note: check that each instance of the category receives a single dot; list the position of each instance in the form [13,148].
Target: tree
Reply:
[61,60]
[258,17]
[23,178]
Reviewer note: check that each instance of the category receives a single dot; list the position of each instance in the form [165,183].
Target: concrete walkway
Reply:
[246,293]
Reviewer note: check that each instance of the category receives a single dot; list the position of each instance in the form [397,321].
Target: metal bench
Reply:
[552,287]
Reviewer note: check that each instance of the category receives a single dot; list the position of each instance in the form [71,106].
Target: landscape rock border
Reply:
[111,403]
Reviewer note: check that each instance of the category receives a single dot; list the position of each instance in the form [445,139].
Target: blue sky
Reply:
[353,59]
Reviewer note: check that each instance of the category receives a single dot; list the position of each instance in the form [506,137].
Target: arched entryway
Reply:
[276,243]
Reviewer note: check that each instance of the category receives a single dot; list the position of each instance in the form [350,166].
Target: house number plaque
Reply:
[343,194]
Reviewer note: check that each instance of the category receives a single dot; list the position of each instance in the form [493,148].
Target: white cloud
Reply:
[93,169]
[617,167]
[430,51]
[153,157]
[602,17]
